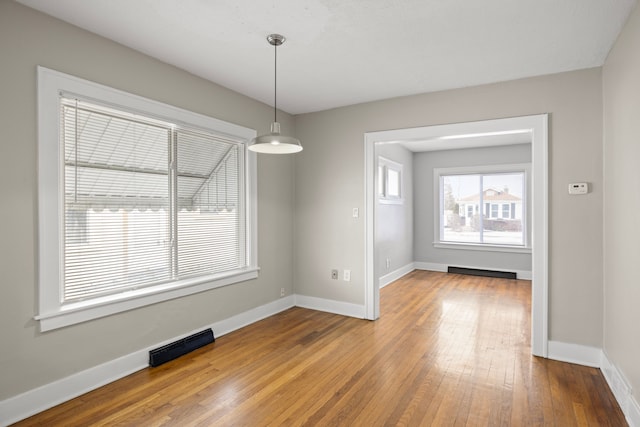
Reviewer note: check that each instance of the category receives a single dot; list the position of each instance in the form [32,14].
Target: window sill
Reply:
[482,247]
[390,201]
[71,314]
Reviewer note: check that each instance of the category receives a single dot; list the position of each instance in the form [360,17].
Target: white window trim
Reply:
[385,198]
[482,247]
[483,169]
[52,314]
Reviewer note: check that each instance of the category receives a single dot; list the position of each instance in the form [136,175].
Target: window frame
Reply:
[384,166]
[52,313]
[524,168]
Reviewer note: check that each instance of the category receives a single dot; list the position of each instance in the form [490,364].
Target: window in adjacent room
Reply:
[502,192]
[389,181]
[139,201]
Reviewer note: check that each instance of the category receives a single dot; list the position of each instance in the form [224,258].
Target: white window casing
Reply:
[139,201]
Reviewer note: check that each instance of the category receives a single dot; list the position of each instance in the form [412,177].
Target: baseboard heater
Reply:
[178,348]
[483,273]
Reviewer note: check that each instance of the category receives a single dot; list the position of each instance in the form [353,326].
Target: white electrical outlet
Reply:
[281,292]
[356,212]
[578,188]
[346,276]
[388,263]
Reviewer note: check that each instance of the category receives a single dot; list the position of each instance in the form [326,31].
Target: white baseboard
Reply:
[395,275]
[241,320]
[575,353]
[621,390]
[433,266]
[430,266]
[330,306]
[633,414]
[24,405]
[595,357]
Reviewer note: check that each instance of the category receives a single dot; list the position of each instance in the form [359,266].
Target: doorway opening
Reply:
[524,129]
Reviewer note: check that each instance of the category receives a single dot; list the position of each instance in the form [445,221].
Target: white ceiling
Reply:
[342,52]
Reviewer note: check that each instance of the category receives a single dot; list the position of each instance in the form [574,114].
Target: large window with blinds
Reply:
[151,203]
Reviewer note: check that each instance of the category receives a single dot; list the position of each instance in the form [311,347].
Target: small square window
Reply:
[389,181]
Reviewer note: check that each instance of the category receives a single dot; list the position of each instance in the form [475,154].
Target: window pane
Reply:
[116,203]
[505,224]
[381,181]
[210,232]
[460,219]
[393,183]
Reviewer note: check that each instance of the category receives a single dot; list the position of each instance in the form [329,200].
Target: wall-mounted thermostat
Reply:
[578,188]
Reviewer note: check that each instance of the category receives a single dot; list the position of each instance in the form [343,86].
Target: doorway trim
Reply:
[538,126]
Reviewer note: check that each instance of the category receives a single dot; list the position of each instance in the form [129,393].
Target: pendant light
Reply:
[274,142]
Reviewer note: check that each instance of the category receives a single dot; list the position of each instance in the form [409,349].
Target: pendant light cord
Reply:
[275,81]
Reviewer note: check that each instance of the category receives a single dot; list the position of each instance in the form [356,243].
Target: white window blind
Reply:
[146,202]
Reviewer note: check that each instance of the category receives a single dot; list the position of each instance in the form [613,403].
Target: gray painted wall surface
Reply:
[32,359]
[394,222]
[621,79]
[330,182]
[424,199]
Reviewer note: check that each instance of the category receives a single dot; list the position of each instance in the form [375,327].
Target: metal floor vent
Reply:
[178,348]
[483,273]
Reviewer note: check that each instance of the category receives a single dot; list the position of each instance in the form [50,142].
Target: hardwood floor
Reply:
[449,350]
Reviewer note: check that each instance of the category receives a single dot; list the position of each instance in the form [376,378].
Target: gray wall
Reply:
[330,182]
[621,87]
[424,199]
[394,222]
[28,358]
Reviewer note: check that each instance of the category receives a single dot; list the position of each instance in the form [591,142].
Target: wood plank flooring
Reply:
[449,350]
